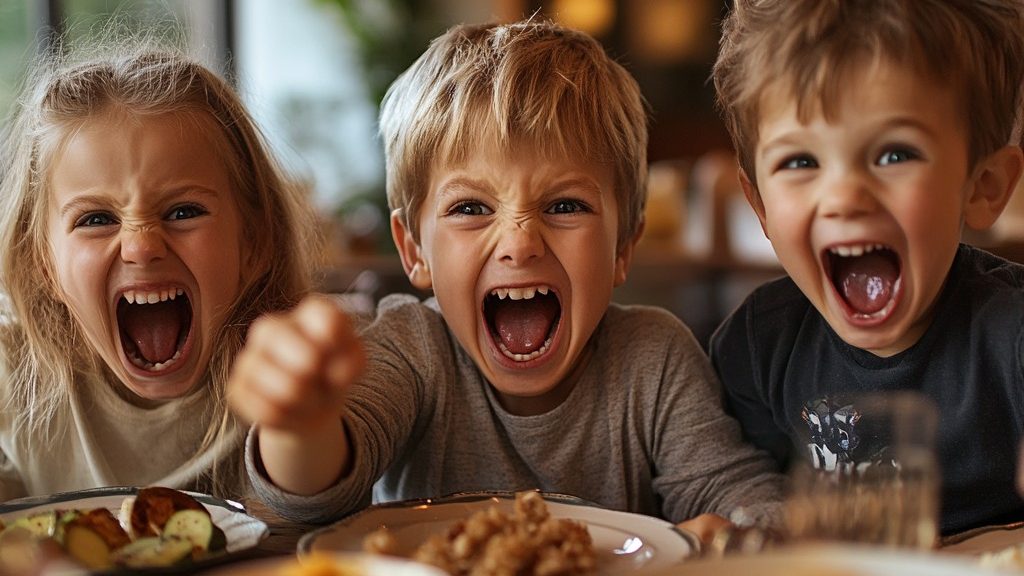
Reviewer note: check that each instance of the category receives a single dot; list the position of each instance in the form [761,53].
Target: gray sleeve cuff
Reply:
[330,505]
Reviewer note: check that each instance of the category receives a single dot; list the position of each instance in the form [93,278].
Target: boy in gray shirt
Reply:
[516,162]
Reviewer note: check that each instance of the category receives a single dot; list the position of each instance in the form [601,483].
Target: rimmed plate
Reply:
[243,532]
[985,539]
[832,560]
[335,563]
[625,542]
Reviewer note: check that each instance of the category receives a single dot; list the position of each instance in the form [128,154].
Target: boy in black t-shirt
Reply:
[868,135]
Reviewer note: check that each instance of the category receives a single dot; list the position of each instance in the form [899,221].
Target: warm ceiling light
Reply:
[595,17]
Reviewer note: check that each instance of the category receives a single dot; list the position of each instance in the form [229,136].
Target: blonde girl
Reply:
[143,226]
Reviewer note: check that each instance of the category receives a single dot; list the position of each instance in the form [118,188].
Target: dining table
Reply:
[283,534]
[956,555]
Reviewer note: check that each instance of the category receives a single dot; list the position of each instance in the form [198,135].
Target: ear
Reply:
[415,266]
[753,198]
[625,256]
[994,181]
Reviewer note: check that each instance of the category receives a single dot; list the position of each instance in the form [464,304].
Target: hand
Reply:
[706,526]
[290,379]
[294,369]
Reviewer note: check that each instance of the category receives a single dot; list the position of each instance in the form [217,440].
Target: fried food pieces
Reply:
[494,543]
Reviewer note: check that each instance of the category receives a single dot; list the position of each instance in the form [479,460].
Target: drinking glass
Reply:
[867,472]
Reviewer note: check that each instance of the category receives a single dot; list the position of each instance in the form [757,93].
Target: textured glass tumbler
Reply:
[868,472]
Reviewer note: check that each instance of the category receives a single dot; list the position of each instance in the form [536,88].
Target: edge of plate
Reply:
[27,502]
[305,543]
[978,531]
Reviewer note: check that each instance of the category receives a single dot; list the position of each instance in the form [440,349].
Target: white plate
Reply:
[361,564]
[625,542]
[832,560]
[242,531]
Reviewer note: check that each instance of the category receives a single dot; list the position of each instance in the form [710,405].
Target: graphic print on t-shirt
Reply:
[841,439]
[833,433]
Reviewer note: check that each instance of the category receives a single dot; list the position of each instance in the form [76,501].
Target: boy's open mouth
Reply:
[154,327]
[866,277]
[522,321]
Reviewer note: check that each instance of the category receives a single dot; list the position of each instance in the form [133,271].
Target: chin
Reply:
[524,388]
[881,343]
[159,389]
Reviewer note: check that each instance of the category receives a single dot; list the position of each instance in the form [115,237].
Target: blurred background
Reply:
[313,72]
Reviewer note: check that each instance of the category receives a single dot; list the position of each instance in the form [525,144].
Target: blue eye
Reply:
[186,211]
[567,206]
[802,162]
[469,208]
[897,156]
[93,219]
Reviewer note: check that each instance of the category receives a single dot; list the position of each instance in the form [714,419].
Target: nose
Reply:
[848,194]
[142,244]
[519,242]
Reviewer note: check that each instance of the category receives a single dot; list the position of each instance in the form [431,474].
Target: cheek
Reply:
[929,220]
[79,275]
[219,266]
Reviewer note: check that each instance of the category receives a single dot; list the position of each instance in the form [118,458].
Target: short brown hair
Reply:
[974,46]
[534,82]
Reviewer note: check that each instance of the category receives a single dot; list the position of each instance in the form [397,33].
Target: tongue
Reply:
[154,329]
[867,281]
[523,325]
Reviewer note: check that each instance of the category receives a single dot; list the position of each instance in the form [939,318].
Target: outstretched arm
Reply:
[290,380]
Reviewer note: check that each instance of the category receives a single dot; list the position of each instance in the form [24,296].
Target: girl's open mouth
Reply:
[866,278]
[522,321]
[154,326]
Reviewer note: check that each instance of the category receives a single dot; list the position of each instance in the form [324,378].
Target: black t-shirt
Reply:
[779,360]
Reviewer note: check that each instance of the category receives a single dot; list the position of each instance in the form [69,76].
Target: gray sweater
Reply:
[642,431]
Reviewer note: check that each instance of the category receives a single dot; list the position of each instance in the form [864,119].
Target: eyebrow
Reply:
[791,138]
[576,182]
[463,183]
[901,122]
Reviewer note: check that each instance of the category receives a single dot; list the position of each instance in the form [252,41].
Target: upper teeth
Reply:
[520,293]
[152,296]
[855,249]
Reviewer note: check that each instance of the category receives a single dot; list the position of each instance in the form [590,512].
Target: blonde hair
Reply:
[976,47]
[43,347]
[530,83]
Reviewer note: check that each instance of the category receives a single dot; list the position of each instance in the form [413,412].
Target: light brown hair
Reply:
[530,83]
[43,349]
[808,48]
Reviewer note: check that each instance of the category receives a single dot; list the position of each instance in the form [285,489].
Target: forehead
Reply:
[878,88]
[494,166]
[109,150]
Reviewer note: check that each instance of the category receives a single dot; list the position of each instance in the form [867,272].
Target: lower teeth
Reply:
[524,357]
[158,367]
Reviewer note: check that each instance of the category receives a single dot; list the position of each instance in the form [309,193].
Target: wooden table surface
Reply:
[284,534]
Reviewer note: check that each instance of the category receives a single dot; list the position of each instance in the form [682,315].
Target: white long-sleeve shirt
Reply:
[110,442]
